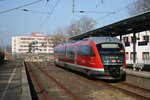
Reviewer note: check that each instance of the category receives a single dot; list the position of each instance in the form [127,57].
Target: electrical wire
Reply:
[20,6]
[38,24]
[33,11]
[49,15]
[91,11]
[116,11]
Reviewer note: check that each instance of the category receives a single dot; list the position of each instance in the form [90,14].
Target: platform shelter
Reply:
[130,25]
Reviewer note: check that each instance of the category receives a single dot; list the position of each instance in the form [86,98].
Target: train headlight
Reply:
[121,68]
[120,61]
[104,61]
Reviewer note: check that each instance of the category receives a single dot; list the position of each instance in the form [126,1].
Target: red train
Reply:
[101,57]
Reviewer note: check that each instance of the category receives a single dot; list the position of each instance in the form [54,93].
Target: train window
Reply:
[85,50]
[61,53]
[92,54]
[70,53]
[109,47]
[111,52]
[55,51]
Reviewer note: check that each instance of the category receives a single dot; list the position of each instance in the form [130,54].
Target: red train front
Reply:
[101,57]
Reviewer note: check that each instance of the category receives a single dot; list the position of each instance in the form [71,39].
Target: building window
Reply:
[132,39]
[145,55]
[131,55]
[146,38]
[127,56]
[125,39]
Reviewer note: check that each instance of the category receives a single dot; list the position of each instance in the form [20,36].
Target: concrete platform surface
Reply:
[141,78]
[138,73]
[13,82]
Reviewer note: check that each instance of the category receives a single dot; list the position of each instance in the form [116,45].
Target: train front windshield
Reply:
[111,52]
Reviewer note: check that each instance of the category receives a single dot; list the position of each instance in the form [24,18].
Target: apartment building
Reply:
[142,47]
[36,43]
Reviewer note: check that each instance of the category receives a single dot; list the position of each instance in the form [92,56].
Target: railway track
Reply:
[44,91]
[134,91]
[129,89]
[45,94]
[125,88]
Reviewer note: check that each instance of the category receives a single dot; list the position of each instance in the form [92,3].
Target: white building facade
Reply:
[24,44]
[142,47]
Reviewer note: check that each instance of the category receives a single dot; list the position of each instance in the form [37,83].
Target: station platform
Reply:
[14,84]
[138,73]
[139,78]
[13,81]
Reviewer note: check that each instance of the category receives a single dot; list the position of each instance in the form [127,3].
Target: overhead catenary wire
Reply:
[20,6]
[38,24]
[96,6]
[90,10]
[116,11]
[49,15]
[33,11]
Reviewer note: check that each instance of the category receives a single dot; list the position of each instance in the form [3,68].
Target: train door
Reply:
[75,57]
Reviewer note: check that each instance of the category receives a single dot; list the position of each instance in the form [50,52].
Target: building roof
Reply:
[133,24]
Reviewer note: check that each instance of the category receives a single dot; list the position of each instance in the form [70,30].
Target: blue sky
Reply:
[18,22]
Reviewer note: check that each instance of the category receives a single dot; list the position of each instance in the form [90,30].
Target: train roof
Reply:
[133,24]
[96,40]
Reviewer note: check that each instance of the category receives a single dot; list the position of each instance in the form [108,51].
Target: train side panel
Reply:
[84,56]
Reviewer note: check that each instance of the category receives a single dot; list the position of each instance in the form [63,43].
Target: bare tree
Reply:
[61,35]
[49,39]
[57,38]
[6,48]
[139,6]
[84,24]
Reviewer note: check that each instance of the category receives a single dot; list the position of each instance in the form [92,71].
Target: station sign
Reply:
[142,43]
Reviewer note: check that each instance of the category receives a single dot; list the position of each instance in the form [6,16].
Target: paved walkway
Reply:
[11,80]
[138,73]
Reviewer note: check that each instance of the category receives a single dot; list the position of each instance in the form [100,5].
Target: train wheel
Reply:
[123,78]
[88,74]
[56,65]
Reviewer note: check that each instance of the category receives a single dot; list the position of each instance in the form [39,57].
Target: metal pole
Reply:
[121,38]
[134,48]
[73,7]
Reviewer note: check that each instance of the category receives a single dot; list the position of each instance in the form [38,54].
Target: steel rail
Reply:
[125,91]
[46,97]
[137,87]
[58,83]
